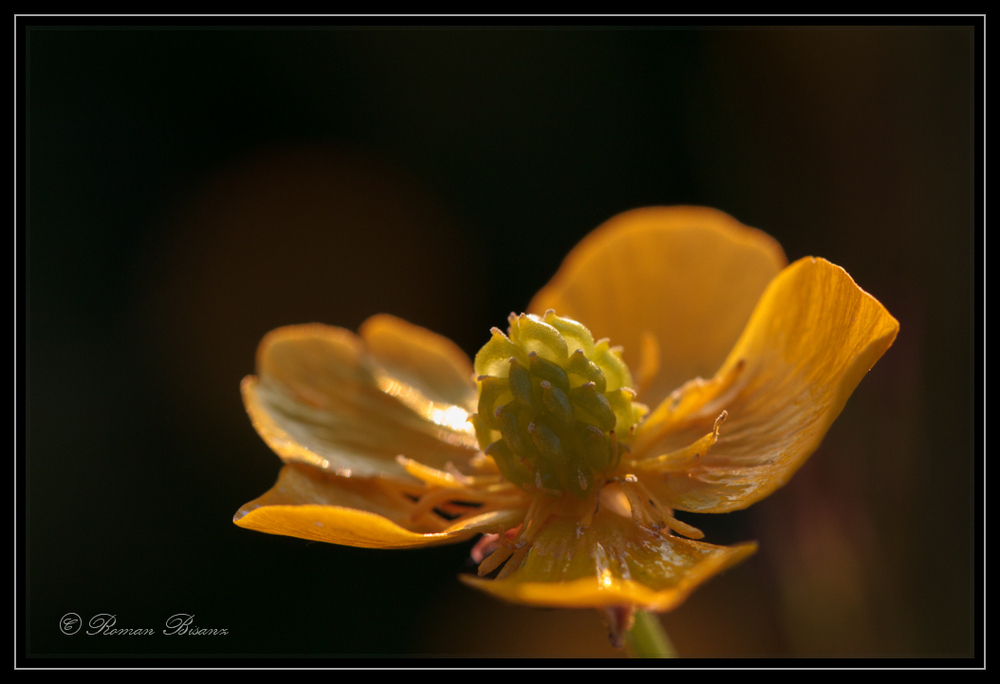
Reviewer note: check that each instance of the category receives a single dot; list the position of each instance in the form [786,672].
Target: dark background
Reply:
[189,189]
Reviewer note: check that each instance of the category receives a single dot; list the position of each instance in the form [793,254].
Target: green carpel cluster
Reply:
[555,407]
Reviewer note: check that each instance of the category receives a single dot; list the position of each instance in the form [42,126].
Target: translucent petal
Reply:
[809,343]
[320,398]
[429,363]
[611,562]
[689,276]
[372,513]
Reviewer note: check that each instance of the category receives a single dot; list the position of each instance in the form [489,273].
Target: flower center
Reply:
[555,407]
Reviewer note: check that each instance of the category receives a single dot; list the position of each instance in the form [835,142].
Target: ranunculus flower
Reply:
[392,438]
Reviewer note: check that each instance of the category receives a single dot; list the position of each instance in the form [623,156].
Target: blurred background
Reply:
[190,189]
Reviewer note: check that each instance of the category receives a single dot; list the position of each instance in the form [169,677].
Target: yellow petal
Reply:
[429,363]
[320,398]
[372,513]
[610,563]
[809,343]
[690,276]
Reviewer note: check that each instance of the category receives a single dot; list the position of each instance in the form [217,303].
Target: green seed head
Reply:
[555,407]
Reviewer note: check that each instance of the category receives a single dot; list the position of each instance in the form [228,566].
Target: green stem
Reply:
[647,639]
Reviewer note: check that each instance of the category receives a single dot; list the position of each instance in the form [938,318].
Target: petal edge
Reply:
[688,276]
[611,563]
[320,398]
[812,338]
[371,513]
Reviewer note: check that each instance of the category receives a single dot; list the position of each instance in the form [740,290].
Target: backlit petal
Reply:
[611,562]
[320,398]
[428,363]
[811,339]
[373,513]
[689,275]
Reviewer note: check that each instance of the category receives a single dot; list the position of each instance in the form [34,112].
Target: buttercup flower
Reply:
[392,438]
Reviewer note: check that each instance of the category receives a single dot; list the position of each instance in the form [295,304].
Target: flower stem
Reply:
[647,639]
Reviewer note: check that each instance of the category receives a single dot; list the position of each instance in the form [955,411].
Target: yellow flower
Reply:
[577,490]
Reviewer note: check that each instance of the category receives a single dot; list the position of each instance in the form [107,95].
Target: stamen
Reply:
[431,476]
[452,477]
[432,499]
[486,545]
[681,528]
[489,542]
[642,512]
[428,517]
[403,495]
[494,560]
[537,515]
[719,421]
[447,497]
[588,517]
[534,519]
[457,474]
[649,514]
[689,404]
[662,511]
[682,459]
[503,550]
[514,563]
